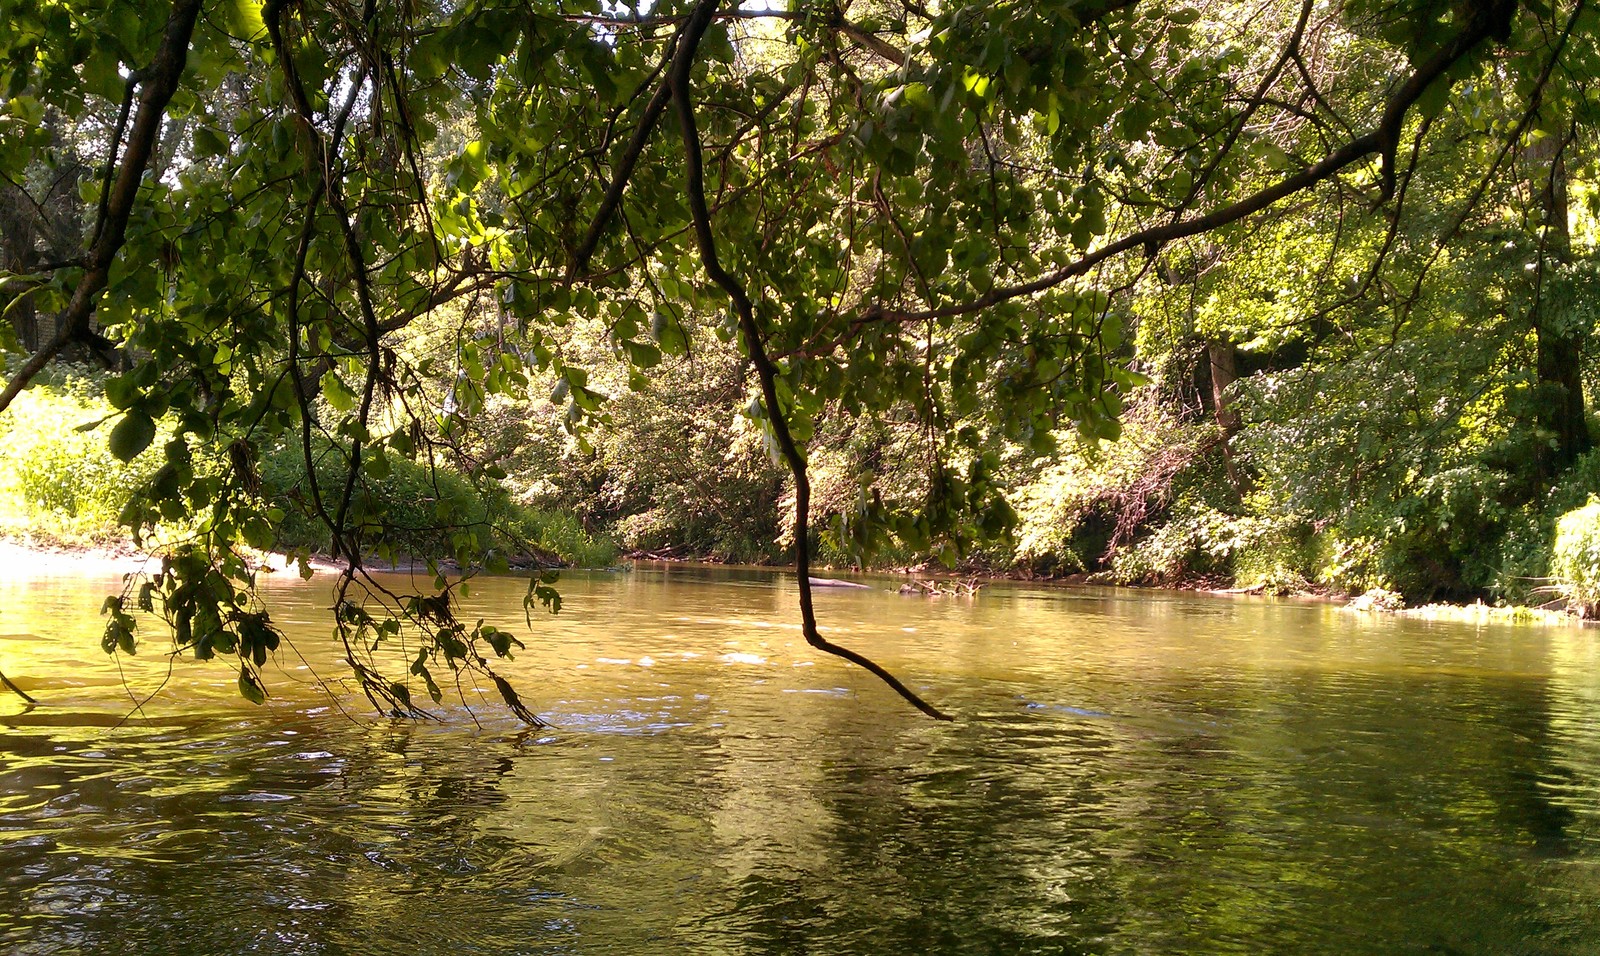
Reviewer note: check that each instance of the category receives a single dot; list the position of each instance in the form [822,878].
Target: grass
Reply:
[1481,613]
[59,483]
[60,486]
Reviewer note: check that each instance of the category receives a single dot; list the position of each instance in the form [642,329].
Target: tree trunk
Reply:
[18,236]
[1224,372]
[1560,419]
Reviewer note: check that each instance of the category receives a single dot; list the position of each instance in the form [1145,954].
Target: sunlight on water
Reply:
[1131,772]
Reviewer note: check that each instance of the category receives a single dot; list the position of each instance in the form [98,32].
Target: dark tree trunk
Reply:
[1560,418]
[18,238]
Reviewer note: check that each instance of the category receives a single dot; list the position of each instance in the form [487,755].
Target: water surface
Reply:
[1130,773]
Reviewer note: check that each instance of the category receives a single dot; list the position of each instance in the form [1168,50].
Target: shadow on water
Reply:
[1130,775]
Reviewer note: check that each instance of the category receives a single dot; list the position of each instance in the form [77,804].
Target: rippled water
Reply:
[1131,773]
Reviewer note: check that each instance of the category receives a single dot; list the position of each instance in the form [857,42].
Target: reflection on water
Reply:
[1131,773]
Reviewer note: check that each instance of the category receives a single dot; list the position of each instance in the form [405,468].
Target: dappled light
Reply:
[1283,775]
[534,476]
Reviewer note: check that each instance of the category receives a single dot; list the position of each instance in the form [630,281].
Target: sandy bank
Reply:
[34,559]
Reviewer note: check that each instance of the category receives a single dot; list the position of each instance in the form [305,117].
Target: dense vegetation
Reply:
[1278,293]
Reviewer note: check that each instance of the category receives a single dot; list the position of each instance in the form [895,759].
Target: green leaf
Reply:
[244,19]
[250,687]
[1434,99]
[717,44]
[208,143]
[121,391]
[337,393]
[402,443]
[132,435]
[642,354]
[101,72]
[669,334]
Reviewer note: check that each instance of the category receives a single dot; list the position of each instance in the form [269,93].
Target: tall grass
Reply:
[60,485]
[59,482]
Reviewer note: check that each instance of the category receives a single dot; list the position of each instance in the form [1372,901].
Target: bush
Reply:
[1438,537]
[1195,540]
[59,482]
[1525,571]
[1575,558]
[672,467]
[427,513]
[1070,509]
[1277,555]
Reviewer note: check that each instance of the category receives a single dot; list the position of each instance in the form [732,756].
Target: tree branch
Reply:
[161,81]
[619,180]
[325,185]
[1383,140]
[1290,49]
[858,35]
[682,64]
[15,689]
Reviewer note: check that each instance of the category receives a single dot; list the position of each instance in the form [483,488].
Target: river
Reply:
[1131,772]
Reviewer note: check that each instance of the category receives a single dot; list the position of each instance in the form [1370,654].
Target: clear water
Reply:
[1131,773]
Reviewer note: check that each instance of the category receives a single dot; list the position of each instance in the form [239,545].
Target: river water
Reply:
[1130,773]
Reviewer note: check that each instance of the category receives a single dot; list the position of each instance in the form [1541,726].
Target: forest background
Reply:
[1271,294]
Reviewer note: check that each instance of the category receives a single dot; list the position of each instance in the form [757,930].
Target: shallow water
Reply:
[1130,773]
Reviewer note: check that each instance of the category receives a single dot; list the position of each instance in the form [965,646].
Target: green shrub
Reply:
[426,513]
[674,467]
[552,531]
[1576,485]
[1070,506]
[1523,574]
[1575,558]
[1346,563]
[57,480]
[1277,555]
[1439,537]
[1196,539]
[1525,570]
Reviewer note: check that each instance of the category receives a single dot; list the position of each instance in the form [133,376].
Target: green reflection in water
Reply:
[1132,774]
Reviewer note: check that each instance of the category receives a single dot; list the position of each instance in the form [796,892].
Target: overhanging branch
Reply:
[160,82]
[682,65]
[1383,141]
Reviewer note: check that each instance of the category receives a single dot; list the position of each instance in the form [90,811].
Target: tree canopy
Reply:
[955,220]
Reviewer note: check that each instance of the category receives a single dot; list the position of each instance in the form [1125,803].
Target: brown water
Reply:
[1131,773]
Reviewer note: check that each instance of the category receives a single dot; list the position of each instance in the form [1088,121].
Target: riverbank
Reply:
[50,558]
[38,558]
[1388,603]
